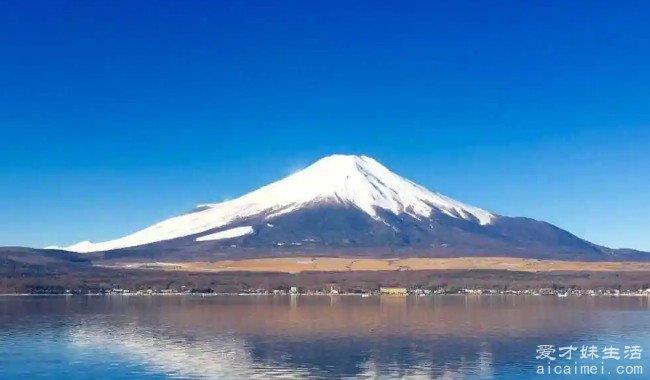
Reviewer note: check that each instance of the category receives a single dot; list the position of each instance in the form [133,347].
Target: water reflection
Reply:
[340,336]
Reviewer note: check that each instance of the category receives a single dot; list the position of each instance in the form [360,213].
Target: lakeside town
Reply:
[335,290]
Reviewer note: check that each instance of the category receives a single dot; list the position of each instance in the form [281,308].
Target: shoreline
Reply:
[318,275]
[410,293]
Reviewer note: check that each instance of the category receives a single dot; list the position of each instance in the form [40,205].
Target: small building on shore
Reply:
[395,291]
[332,289]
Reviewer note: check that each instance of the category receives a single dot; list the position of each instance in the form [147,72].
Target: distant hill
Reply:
[19,260]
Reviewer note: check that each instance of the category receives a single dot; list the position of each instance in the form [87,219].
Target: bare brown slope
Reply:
[339,264]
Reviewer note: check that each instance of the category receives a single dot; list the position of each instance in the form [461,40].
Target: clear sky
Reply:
[115,115]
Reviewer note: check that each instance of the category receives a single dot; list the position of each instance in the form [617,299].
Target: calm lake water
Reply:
[159,337]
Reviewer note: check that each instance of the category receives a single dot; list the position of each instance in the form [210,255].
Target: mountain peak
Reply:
[341,157]
[342,160]
[341,165]
[349,180]
[363,182]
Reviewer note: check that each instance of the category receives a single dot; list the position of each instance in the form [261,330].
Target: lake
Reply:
[193,336]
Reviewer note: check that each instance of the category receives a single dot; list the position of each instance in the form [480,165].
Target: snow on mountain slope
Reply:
[357,181]
[227,234]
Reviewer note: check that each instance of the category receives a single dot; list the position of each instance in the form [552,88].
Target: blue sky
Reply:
[114,115]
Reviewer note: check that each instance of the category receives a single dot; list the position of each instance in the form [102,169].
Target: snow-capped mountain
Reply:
[342,203]
[356,181]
